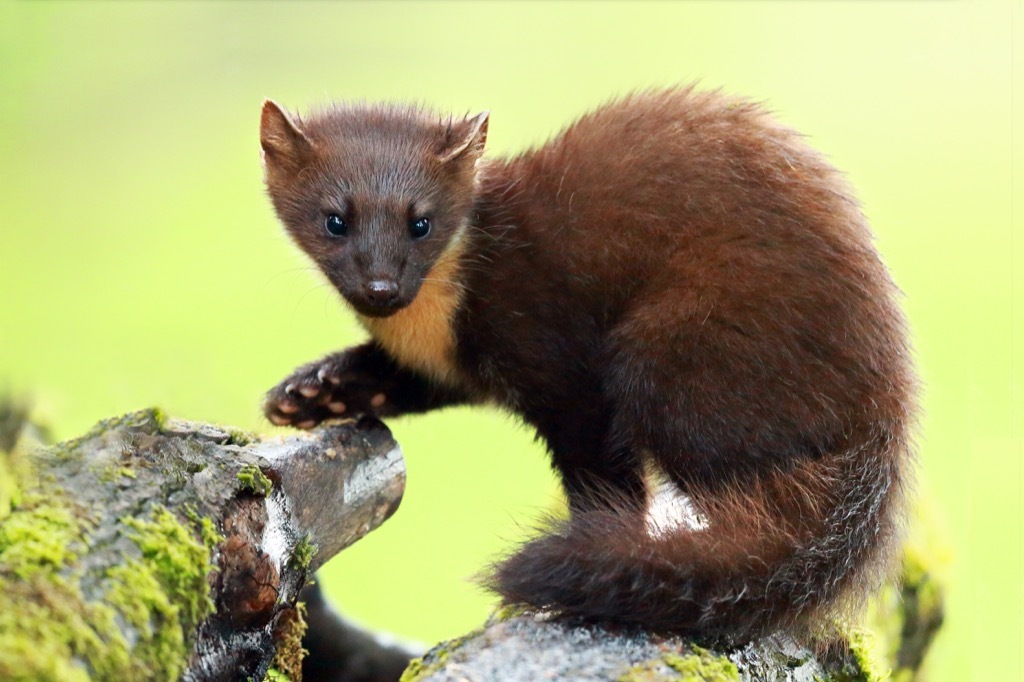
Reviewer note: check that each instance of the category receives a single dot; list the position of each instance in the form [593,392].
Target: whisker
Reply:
[295,309]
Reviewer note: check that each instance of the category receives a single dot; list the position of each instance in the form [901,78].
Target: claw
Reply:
[324,375]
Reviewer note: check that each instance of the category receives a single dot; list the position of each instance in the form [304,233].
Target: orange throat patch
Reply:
[421,336]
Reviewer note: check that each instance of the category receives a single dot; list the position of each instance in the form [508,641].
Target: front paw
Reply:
[322,390]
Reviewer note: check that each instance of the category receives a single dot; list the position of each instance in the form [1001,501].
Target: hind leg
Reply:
[594,471]
[718,389]
[688,395]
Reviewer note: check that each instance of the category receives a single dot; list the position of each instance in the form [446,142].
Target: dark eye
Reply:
[336,225]
[419,228]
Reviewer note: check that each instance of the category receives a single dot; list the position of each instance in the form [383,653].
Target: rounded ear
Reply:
[465,138]
[280,137]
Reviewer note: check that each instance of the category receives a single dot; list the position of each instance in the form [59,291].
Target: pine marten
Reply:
[675,281]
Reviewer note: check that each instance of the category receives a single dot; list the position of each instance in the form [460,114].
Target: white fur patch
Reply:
[668,509]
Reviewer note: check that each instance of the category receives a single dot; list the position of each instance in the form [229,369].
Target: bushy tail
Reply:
[776,553]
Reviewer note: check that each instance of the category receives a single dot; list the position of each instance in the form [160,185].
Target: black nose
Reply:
[382,292]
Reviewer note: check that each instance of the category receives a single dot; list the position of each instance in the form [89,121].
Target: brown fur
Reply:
[674,277]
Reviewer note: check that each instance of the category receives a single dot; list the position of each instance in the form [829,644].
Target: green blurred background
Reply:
[140,262]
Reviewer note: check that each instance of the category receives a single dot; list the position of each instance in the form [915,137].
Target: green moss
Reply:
[239,437]
[164,595]
[207,528]
[208,532]
[178,561]
[40,537]
[303,553]
[14,469]
[113,473]
[860,659]
[698,666]
[430,663]
[508,612]
[703,665]
[926,559]
[152,420]
[920,579]
[904,617]
[47,632]
[138,619]
[864,649]
[143,602]
[251,478]
[47,629]
[884,618]
[13,420]
[275,675]
[287,663]
[10,491]
[157,416]
[648,671]
[417,670]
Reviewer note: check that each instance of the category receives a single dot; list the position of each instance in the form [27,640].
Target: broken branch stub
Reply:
[186,543]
